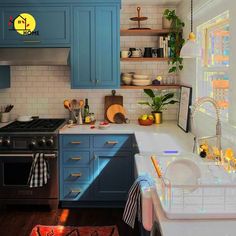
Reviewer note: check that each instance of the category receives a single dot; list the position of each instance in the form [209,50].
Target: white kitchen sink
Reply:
[203,190]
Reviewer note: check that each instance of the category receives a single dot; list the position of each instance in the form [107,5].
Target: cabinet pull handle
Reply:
[75,158]
[112,142]
[76,175]
[31,41]
[78,191]
[97,81]
[75,142]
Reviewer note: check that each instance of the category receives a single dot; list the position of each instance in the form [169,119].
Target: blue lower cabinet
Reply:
[96,169]
[75,192]
[4,77]
[113,175]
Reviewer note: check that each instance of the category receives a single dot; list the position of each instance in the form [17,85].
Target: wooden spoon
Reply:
[67,105]
[74,104]
[81,103]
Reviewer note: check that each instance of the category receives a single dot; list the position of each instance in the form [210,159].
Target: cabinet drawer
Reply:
[75,141]
[112,141]
[79,174]
[74,192]
[74,158]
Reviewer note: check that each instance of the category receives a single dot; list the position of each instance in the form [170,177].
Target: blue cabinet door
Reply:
[49,26]
[83,48]
[4,77]
[113,175]
[107,47]
[95,49]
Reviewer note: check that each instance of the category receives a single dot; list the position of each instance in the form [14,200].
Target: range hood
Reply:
[34,56]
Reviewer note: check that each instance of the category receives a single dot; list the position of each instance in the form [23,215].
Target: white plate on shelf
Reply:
[143,82]
[183,172]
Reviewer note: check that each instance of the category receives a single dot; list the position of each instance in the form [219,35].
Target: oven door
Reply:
[14,173]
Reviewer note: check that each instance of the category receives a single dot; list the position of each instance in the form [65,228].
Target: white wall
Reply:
[205,10]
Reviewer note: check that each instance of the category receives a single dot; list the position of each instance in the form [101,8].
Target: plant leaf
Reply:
[144,103]
[167,96]
[149,92]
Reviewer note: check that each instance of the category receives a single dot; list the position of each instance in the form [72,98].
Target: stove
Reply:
[38,134]
[19,143]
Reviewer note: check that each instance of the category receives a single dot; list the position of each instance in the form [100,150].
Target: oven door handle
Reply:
[26,155]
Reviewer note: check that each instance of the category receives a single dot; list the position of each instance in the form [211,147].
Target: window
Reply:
[213,65]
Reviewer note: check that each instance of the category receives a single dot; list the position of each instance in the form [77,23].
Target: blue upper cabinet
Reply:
[95,59]
[29,26]
[4,77]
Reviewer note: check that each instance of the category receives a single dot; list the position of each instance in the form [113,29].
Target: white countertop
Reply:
[155,138]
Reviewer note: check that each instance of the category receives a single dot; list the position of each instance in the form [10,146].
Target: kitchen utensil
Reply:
[139,19]
[67,105]
[138,82]
[125,54]
[8,108]
[127,80]
[147,52]
[24,118]
[183,172]
[73,104]
[141,77]
[156,166]
[113,110]
[110,100]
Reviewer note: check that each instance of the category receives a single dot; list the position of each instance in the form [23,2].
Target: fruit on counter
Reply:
[150,117]
[146,119]
[104,123]
[229,153]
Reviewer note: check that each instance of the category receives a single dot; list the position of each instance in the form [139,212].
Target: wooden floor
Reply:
[19,221]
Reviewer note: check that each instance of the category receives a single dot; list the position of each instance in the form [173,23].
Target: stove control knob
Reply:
[41,142]
[50,142]
[32,144]
[6,142]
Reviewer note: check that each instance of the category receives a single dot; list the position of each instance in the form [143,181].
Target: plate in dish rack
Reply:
[183,172]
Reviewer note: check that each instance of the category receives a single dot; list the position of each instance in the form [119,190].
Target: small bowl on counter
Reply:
[146,122]
[141,77]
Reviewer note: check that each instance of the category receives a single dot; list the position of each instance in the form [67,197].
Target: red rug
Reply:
[42,230]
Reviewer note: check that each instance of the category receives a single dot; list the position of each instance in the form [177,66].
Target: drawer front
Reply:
[75,141]
[79,174]
[74,158]
[74,192]
[112,141]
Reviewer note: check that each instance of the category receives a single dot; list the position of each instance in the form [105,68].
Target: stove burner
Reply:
[36,125]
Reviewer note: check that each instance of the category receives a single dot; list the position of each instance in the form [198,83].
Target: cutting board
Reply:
[112,100]
[113,110]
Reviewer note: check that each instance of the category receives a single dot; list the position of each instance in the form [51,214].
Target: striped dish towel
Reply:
[133,204]
[39,173]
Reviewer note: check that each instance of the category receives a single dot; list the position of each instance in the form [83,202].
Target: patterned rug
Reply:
[42,230]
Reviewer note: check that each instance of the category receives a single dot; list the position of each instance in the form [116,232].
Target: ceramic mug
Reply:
[125,54]
[137,52]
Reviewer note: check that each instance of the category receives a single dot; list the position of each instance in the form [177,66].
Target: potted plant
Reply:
[158,103]
[176,41]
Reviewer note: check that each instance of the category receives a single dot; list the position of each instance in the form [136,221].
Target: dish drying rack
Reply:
[213,198]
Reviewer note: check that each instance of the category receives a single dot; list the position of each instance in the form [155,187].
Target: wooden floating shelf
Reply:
[151,32]
[160,87]
[134,59]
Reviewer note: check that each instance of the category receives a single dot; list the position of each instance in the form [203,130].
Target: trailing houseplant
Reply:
[176,41]
[158,103]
